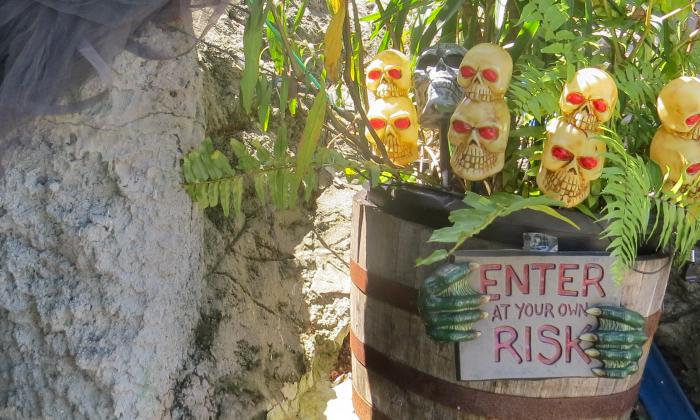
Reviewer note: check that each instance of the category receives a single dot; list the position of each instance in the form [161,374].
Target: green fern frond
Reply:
[482,211]
[638,208]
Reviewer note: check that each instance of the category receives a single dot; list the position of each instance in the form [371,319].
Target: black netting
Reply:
[48,47]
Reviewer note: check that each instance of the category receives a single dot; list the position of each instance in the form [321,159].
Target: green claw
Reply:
[444,277]
[452,335]
[442,319]
[633,354]
[618,314]
[617,373]
[449,306]
[620,337]
[452,303]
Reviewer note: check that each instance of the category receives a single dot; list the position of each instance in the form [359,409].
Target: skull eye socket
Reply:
[575,98]
[377,123]
[461,126]
[467,71]
[693,119]
[395,73]
[490,75]
[427,61]
[588,162]
[600,105]
[402,123]
[693,169]
[453,60]
[562,154]
[374,74]
[489,133]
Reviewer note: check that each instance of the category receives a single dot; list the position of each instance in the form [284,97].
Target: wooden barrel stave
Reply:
[389,254]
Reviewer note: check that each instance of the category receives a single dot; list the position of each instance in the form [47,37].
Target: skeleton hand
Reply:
[617,340]
[449,306]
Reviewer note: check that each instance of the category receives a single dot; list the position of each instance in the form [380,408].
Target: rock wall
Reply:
[120,299]
[678,335]
[101,250]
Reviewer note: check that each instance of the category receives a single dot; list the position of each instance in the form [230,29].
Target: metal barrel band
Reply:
[488,404]
[386,290]
[365,410]
[404,297]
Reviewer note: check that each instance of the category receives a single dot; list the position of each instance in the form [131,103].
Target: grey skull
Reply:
[435,81]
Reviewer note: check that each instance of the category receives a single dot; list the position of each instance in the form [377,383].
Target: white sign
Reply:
[536,313]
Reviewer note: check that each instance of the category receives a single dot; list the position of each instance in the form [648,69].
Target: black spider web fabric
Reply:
[48,47]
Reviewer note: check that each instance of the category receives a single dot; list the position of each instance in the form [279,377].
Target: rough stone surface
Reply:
[100,250]
[678,335]
[120,299]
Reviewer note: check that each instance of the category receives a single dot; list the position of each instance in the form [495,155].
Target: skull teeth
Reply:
[470,161]
[584,121]
[693,192]
[399,152]
[480,93]
[693,134]
[389,90]
[570,186]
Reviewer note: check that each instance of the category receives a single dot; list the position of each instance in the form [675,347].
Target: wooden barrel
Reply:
[400,373]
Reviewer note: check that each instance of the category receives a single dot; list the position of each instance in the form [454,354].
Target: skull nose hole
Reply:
[472,140]
[573,171]
[441,65]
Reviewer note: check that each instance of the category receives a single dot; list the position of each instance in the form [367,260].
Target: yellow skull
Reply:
[589,99]
[396,123]
[570,161]
[485,72]
[479,130]
[679,107]
[389,74]
[677,155]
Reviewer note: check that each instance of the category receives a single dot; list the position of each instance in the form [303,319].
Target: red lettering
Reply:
[507,345]
[528,344]
[486,282]
[574,345]
[563,278]
[523,285]
[593,280]
[549,340]
[543,267]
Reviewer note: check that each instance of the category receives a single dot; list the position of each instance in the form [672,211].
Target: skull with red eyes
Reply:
[679,107]
[485,72]
[589,99]
[389,74]
[570,161]
[678,157]
[396,122]
[479,130]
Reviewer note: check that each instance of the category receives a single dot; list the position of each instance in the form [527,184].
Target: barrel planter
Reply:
[400,373]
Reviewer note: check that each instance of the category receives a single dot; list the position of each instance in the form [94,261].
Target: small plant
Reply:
[642,44]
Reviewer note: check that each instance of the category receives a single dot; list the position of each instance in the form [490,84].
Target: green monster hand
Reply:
[617,341]
[449,306]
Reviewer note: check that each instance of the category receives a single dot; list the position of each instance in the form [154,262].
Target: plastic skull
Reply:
[396,124]
[485,72]
[677,156]
[479,130]
[679,107]
[588,100]
[570,161]
[389,74]
[435,81]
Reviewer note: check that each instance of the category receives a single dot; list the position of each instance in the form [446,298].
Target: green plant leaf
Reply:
[310,138]
[437,256]
[252,46]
